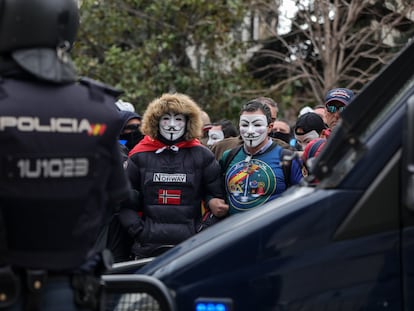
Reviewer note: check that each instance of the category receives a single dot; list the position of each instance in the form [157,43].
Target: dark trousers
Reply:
[115,238]
[57,295]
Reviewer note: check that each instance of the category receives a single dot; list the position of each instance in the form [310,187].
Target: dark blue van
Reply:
[345,243]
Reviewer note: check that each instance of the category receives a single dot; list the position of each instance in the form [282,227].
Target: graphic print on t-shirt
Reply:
[250,184]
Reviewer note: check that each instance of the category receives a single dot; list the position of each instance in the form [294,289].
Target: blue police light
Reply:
[210,307]
[213,304]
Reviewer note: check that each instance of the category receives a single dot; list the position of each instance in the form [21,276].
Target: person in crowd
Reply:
[231,142]
[308,127]
[172,173]
[206,126]
[61,168]
[220,130]
[113,236]
[254,173]
[336,101]
[130,134]
[312,150]
[321,111]
[281,130]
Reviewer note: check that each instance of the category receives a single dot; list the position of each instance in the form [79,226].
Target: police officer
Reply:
[60,167]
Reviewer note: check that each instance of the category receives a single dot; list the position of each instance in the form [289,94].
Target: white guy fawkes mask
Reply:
[172,126]
[304,139]
[253,129]
[214,136]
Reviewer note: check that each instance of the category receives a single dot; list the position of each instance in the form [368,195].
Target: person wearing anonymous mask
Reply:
[253,172]
[234,141]
[172,173]
[221,130]
[309,126]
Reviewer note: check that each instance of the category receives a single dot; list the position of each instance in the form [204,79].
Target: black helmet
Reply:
[38,33]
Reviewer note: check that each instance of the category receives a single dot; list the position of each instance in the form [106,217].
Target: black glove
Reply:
[135,229]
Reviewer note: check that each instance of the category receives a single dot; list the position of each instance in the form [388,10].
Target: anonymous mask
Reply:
[214,136]
[172,126]
[253,129]
[304,139]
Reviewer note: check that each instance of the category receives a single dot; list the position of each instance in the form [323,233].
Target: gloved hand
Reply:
[135,229]
[140,251]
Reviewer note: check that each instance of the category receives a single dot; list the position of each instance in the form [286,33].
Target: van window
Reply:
[378,209]
[385,109]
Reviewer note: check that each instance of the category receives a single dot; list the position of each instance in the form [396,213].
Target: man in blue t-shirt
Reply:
[254,175]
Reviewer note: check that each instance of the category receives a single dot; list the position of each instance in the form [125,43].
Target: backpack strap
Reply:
[230,156]
[315,148]
[286,157]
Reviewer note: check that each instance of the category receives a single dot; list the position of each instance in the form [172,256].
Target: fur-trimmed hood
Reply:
[176,103]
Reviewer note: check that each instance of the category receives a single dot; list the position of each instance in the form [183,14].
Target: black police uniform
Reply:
[60,171]
[60,167]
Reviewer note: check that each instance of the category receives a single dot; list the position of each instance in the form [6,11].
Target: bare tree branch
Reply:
[335,43]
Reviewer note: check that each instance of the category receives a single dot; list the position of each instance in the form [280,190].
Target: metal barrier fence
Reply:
[134,292]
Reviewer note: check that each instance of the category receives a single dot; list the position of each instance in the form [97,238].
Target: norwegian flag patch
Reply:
[172,197]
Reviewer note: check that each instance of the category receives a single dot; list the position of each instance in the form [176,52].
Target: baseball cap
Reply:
[309,122]
[342,95]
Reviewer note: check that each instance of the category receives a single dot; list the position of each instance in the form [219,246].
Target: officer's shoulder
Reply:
[106,88]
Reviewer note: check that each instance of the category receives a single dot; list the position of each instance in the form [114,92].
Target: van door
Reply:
[381,224]
[373,227]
